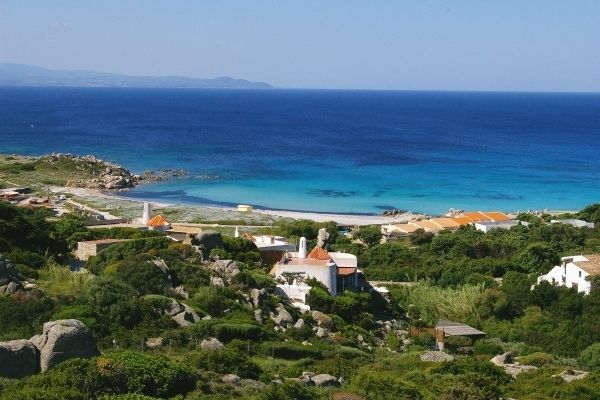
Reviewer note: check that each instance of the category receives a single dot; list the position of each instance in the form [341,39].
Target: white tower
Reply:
[147,214]
[302,248]
[237,232]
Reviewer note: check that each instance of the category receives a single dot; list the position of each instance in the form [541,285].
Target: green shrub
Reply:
[287,391]
[487,347]
[226,332]
[590,357]
[292,351]
[319,299]
[537,359]
[224,361]
[452,343]
[148,374]
[383,386]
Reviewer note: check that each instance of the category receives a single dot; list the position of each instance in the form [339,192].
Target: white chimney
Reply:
[237,232]
[302,248]
[147,214]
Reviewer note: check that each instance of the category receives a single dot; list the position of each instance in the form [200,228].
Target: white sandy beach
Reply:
[342,219]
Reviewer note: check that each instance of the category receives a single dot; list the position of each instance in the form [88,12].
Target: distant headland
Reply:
[28,75]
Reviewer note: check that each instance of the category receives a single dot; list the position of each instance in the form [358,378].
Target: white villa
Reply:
[577,223]
[337,271]
[573,272]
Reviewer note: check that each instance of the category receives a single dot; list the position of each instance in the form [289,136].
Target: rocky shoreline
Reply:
[104,175]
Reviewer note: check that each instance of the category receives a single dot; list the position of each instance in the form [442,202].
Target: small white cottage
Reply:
[573,272]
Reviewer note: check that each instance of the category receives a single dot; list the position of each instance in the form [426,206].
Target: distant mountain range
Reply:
[27,75]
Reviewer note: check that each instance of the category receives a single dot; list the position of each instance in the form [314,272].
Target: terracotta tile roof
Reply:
[305,261]
[345,271]
[496,215]
[464,220]
[427,226]
[319,254]
[157,220]
[407,228]
[592,266]
[445,223]
[248,236]
[477,216]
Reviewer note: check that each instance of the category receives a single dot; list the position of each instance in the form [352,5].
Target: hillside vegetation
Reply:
[172,324]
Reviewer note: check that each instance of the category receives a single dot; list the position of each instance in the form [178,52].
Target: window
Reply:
[580,274]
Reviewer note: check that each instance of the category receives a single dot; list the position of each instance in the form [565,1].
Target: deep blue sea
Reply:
[333,151]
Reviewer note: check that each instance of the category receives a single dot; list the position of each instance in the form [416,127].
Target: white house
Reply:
[486,226]
[577,223]
[573,272]
[337,271]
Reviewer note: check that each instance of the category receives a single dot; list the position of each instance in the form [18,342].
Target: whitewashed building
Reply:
[486,226]
[573,272]
[337,271]
[577,223]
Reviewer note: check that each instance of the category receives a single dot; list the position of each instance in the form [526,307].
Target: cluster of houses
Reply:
[483,221]
[22,197]
[293,264]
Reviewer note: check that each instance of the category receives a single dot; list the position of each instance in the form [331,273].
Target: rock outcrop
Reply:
[322,238]
[322,380]
[181,313]
[282,317]
[211,344]
[100,174]
[325,380]
[512,368]
[64,339]
[207,241]
[436,356]
[225,268]
[502,359]
[9,282]
[18,358]
[257,296]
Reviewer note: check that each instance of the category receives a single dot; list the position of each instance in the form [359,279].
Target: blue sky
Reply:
[425,45]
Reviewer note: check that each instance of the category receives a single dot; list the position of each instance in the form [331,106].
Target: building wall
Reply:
[344,259]
[324,274]
[567,276]
[85,250]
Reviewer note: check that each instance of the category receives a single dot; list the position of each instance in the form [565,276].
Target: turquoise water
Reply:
[332,151]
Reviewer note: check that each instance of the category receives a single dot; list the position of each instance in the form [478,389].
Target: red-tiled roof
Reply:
[345,271]
[157,220]
[319,253]
[248,236]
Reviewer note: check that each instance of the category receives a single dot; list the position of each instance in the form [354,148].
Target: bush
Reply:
[538,359]
[319,299]
[226,332]
[287,391]
[590,357]
[487,347]
[383,386]
[142,275]
[147,374]
[292,351]
[454,342]
[225,361]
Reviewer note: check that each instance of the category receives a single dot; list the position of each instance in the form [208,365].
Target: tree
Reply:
[142,275]
[370,235]
[590,357]
[538,257]
[114,303]
[420,237]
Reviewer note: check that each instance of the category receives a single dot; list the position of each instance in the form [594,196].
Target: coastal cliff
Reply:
[75,171]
